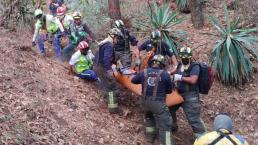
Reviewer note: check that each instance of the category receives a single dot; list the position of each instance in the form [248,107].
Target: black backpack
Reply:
[205,78]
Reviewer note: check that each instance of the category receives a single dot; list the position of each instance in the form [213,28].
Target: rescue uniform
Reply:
[220,137]
[191,104]
[103,62]
[156,83]
[78,33]
[122,48]
[162,48]
[83,65]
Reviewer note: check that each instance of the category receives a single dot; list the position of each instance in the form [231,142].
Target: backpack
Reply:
[205,78]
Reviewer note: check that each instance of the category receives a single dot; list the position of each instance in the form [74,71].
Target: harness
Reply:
[221,136]
[146,82]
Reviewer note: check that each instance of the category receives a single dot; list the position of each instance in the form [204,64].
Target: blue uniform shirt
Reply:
[123,43]
[186,87]
[104,56]
[164,84]
[162,49]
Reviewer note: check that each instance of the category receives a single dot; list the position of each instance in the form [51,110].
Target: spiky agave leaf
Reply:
[230,56]
[183,5]
[162,19]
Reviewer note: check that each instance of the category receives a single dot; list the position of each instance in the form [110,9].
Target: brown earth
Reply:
[42,104]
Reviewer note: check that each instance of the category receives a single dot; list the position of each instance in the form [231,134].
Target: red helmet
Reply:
[82,45]
[60,11]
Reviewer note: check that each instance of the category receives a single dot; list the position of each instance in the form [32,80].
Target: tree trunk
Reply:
[196,13]
[114,9]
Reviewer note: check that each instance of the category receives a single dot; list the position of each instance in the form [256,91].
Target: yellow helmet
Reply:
[77,15]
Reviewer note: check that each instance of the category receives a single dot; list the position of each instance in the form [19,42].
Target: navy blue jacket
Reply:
[123,43]
[164,85]
[162,49]
[105,56]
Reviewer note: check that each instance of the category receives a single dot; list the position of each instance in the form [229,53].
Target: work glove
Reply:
[33,43]
[177,77]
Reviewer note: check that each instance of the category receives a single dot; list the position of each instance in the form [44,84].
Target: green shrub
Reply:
[230,57]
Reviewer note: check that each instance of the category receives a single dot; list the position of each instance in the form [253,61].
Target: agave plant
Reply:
[163,19]
[230,57]
[183,5]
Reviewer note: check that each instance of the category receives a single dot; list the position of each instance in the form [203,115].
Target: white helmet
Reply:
[118,24]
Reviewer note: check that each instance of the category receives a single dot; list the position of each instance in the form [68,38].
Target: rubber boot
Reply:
[112,102]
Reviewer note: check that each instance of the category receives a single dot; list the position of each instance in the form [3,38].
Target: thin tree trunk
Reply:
[114,9]
[196,13]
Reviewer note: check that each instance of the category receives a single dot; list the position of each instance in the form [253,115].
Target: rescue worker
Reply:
[79,32]
[65,20]
[160,47]
[156,83]
[122,47]
[103,67]
[186,79]
[53,5]
[52,25]
[81,63]
[222,134]
[40,34]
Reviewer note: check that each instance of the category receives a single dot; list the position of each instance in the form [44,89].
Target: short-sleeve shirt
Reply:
[186,87]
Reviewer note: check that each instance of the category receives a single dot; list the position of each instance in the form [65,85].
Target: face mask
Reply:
[185,61]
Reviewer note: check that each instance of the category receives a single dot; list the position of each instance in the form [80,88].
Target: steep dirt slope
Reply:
[40,103]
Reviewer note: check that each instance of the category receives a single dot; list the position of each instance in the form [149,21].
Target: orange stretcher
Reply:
[125,80]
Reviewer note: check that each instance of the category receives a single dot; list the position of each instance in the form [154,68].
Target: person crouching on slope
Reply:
[81,63]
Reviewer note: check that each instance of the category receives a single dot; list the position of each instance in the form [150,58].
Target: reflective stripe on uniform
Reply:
[111,102]
[150,129]
[168,138]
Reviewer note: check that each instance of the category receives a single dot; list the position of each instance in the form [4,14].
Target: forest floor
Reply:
[42,104]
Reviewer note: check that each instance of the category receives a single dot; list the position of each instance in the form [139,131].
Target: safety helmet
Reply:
[60,11]
[115,32]
[223,121]
[38,13]
[77,15]
[118,24]
[160,59]
[155,36]
[82,45]
[185,52]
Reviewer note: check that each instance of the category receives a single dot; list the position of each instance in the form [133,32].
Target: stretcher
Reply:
[125,80]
